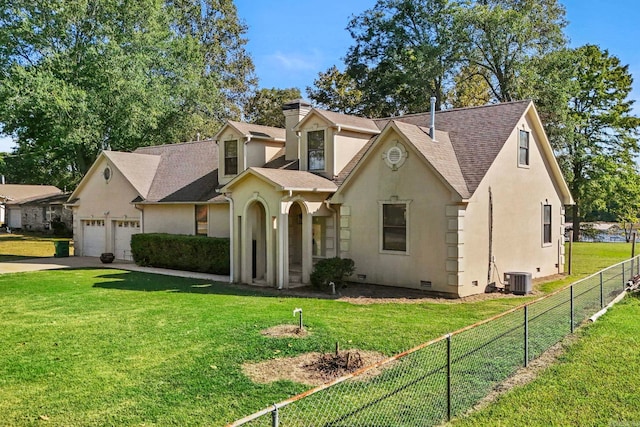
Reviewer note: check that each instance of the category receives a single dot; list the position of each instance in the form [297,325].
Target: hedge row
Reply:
[180,252]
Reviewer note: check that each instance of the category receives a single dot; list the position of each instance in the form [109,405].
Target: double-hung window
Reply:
[394,227]
[231,157]
[523,148]
[315,150]
[546,224]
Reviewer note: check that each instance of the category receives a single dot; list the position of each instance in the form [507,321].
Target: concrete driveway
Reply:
[37,264]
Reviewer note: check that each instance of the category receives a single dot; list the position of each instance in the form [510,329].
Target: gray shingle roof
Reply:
[138,168]
[347,121]
[20,192]
[186,172]
[296,180]
[259,131]
[477,134]
[438,153]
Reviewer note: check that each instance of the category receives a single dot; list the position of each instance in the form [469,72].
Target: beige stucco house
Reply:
[445,202]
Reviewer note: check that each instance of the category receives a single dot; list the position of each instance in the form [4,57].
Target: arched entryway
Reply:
[295,233]
[254,248]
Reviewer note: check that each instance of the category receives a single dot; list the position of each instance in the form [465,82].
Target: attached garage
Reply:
[123,230]
[93,237]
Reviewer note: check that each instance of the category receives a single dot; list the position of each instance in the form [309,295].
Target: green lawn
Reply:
[596,383]
[108,347]
[21,246]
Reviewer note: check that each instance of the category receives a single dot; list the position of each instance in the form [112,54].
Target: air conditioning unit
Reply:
[517,282]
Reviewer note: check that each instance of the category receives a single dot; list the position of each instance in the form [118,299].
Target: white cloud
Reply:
[297,61]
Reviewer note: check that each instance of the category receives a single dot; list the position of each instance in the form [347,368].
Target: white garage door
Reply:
[93,237]
[15,218]
[123,231]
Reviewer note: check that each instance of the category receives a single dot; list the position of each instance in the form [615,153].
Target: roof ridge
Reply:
[453,110]
[169,144]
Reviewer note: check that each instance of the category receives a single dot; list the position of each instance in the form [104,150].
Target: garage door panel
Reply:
[93,237]
[122,238]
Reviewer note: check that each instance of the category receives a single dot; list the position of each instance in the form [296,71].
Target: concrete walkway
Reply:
[37,264]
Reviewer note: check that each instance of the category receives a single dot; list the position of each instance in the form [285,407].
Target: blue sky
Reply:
[291,41]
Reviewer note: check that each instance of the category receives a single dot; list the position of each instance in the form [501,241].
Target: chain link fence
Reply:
[446,377]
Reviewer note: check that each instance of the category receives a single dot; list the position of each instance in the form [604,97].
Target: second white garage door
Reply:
[93,237]
[123,230]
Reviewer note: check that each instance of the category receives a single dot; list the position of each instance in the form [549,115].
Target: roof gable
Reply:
[186,172]
[286,180]
[343,121]
[249,130]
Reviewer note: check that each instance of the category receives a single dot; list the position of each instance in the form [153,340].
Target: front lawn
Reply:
[109,347]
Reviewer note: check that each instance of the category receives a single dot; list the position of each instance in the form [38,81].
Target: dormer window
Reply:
[315,150]
[231,157]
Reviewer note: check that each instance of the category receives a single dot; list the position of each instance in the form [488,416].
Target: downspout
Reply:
[141,217]
[244,153]
[231,239]
[334,172]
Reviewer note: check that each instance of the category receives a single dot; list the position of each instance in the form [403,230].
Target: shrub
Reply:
[180,252]
[334,270]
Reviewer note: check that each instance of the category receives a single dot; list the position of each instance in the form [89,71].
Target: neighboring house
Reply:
[446,208]
[39,213]
[17,202]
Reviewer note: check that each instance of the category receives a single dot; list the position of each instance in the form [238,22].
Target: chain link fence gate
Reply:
[445,377]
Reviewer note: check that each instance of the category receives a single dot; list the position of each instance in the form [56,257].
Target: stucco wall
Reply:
[518,194]
[102,199]
[347,145]
[172,219]
[360,221]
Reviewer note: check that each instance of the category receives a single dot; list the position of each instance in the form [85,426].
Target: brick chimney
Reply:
[294,111]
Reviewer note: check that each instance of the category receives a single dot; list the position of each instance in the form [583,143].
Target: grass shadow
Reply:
[149,282]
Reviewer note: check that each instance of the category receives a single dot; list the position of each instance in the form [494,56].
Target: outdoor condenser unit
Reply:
[518,282]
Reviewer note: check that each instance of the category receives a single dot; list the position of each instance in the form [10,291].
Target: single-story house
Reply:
[446,202]
[31,207]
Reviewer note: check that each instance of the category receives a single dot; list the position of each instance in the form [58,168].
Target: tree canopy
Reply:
[265,106]
[78,77]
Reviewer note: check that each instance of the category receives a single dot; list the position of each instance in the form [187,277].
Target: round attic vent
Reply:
[106,173]
[395,156]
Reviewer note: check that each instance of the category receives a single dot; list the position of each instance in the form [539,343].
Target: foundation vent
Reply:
[426,284]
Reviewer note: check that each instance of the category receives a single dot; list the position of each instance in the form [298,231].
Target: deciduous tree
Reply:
[265,106]
[78,77]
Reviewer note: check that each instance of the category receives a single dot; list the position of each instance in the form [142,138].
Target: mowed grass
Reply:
[596,382]
[109,347]
[589,258]
[21,246]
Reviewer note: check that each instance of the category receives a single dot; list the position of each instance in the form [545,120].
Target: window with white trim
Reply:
[315,150]
[231,157]
[523,148]
[394,227]
[546,224]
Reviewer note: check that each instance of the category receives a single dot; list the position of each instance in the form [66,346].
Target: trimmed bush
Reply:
[334,270]
[179,252]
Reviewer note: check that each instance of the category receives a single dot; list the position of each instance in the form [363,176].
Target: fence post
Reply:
[571,305]
[449,377]
[624,266]
[526,335]
[275,421]
[601,291]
